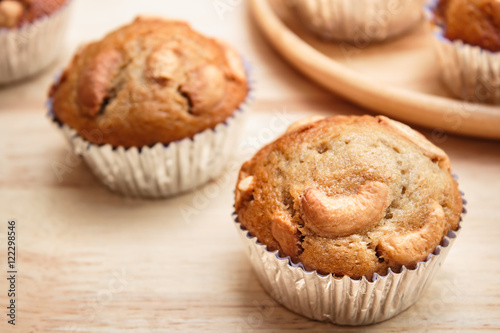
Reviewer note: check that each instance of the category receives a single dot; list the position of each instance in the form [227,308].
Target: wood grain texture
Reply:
[398,78]
[92,261]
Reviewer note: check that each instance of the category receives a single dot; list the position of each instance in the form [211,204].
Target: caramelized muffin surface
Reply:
[349,196]
[152,81]
[475,22]
[14,13]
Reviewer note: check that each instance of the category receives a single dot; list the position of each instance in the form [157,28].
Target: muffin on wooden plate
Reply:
[154,107]
[31,35]
[359,21]
[467,43]
[346,219]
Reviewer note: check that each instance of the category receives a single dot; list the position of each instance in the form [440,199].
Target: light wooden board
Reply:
[92,261]
[398,78]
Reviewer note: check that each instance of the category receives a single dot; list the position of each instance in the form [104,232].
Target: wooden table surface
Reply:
[92,261]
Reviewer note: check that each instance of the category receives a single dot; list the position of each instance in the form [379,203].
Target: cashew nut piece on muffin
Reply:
[349,195]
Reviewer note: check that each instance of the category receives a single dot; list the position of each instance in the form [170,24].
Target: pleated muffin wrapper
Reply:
[469,72]
[162,170]
[342,301]
[360,21]
[26,50]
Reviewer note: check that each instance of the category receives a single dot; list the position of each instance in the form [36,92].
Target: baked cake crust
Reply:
[152,81]
[475,22]
[14,13]
[349,195]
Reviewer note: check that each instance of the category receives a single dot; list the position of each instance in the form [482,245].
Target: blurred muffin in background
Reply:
[14,13]
[359,21]
[467,44]
[31,36]
[475,22]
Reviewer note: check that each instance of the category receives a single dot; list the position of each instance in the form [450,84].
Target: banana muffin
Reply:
[154,108]
[349,196]
[359,21]
[14,13]
[475,22]
[466,42]
[31,36]
[151,81]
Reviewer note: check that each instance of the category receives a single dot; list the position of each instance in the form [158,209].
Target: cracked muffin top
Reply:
[349,195]
[475,22]
[152,81]
[14,13]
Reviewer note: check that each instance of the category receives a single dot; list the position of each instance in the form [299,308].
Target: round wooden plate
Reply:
[398,78]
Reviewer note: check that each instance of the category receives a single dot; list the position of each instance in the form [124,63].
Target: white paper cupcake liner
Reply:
[359,21]
[161,170]
[342,301]
[470,72]
[27,50]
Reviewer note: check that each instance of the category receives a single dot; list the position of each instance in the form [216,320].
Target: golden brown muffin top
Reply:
[349,195]
[14,13]
[475,22]
[151,81]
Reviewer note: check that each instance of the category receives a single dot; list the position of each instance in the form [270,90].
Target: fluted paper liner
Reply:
[26,50]
[360,21]
[470,72]
[342,301]
[161,170]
